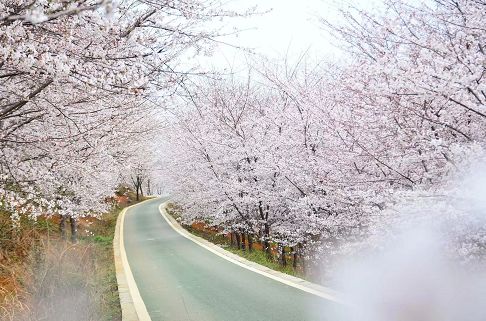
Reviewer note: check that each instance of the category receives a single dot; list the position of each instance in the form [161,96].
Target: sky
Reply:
[290,28]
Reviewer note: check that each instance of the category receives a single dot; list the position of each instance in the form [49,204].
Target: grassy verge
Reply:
[261,258]
[256,255]
[43,277]
[105,284]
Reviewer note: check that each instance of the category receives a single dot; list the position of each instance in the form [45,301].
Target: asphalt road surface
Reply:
[180,281]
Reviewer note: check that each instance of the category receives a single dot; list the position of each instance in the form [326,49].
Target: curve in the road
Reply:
[180,280]
[295,282]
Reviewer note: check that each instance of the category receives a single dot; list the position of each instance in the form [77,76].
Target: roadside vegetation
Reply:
[71,129]
[321,159]
[44,277]
[249,248]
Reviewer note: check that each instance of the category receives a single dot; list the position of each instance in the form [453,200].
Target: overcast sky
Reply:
[289,29]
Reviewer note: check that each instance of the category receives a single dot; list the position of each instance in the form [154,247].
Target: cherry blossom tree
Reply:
[81,81]
[315,157]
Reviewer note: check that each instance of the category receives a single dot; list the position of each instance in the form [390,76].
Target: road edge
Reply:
[132,306]
[286,279]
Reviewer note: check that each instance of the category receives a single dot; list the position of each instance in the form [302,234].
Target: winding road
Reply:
[179,280]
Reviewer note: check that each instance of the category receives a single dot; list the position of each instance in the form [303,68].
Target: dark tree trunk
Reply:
[283,259]
[302,258]
[266,242]
[266,229]
[294,257]
[238,240]
[138,184]
[74,230]
[62,227]
[243,241]
[250,243]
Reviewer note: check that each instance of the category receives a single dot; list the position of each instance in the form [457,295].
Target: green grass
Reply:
[103,240]
[103,232]
[261,258]
[105,274]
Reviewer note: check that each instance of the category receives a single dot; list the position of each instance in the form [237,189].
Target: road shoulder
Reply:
[286,279]
[132,305]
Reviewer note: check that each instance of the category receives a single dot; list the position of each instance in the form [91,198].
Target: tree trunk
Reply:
[266,230]
[62,227]
[250,242]
[238,241]
[266,242]
[74,230]
[243,241]
[232,236]
[294,257]
[302,258]
[138,186]
[283,259]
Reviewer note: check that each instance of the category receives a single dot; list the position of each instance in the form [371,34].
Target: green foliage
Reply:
[104,231]
[103,240]
[261,258]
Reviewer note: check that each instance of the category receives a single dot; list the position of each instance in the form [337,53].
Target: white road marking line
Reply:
[140,307]
[324,293]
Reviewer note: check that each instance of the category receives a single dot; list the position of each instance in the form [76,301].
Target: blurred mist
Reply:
[431,268]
